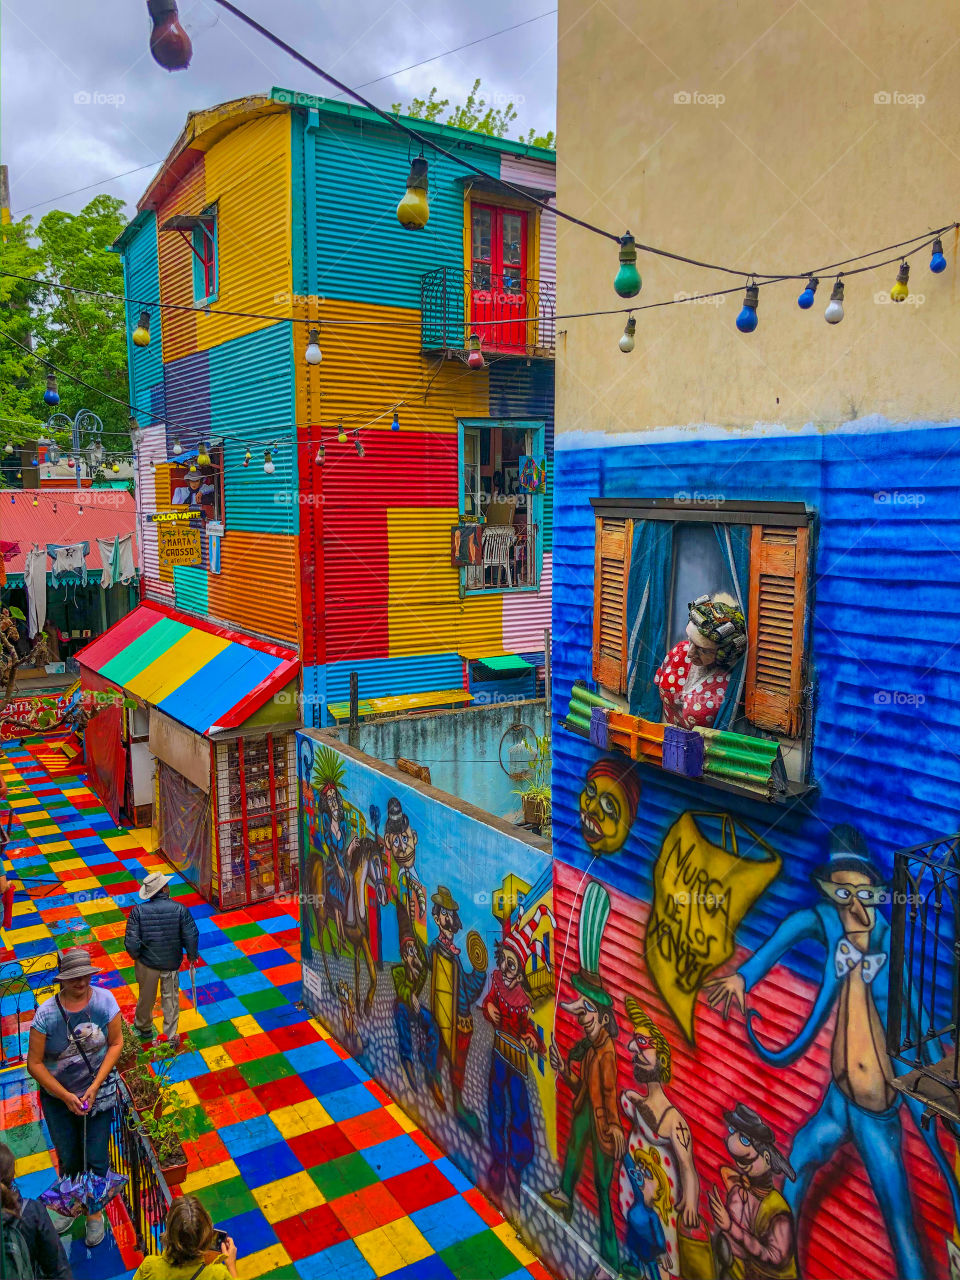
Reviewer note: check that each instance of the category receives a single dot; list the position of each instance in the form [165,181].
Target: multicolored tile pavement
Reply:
[295,1151]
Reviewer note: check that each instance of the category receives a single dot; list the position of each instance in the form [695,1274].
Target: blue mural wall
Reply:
[409,907]
[884,591]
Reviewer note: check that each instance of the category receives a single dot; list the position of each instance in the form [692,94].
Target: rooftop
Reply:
[64,516]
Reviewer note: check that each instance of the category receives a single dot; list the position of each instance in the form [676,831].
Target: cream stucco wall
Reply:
[798,165]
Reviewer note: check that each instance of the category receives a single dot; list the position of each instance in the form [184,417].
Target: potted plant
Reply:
[164,1132]
[131,1047]
[534,793]
[144,1088]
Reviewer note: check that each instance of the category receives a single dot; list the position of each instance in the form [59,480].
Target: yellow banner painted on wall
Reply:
[709,873]
[177,544]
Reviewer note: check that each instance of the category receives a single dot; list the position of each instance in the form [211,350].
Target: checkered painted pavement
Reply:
[295,1151]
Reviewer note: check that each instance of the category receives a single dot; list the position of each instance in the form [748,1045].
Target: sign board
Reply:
[177,544]
[179,747]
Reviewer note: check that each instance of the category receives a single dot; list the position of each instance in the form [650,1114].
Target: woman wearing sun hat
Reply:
[75,1042]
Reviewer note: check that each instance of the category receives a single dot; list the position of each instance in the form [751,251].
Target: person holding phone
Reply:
[75,1042]
[193,1249]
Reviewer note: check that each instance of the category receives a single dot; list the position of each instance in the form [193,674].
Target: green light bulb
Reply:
[628,283]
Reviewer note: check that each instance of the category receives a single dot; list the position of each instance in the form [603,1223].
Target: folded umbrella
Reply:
[86,1192]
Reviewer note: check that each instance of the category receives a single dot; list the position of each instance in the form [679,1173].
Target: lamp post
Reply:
[85,423]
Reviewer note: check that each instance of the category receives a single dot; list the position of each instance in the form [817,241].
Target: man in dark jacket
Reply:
[158,933]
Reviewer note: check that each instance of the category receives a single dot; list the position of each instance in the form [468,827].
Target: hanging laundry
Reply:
[116,556]
[8,551]
[35,582]
[70,558]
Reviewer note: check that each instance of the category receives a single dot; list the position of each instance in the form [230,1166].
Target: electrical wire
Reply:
[424,141]
[90,185]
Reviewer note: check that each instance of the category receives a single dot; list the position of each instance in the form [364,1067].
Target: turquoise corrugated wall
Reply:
[356,207]
[141,279]
[190,586]
[252,400]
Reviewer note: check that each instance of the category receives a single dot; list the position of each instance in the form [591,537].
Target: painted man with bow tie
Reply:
[860,1104]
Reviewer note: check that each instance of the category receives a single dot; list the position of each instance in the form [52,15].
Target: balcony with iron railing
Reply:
[510,313]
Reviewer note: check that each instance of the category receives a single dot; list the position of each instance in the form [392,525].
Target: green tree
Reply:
[80,332]
[475,115]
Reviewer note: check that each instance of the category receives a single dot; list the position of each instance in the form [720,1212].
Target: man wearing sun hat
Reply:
[159,931]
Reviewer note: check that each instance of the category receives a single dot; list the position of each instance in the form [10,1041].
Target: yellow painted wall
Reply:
[800,164]
[248,173]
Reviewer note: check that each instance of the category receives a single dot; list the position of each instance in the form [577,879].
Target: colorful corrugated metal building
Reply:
[280,207]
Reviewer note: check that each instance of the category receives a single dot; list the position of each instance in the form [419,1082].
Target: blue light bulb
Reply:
[51,398]
[747,319]
[395,424]
[938,262]
[805,301]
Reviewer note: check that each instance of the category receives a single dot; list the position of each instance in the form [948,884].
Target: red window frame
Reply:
[498,289]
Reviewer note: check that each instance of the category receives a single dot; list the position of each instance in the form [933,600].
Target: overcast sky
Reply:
[54,50]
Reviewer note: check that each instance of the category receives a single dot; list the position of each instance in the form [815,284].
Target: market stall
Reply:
[220,710]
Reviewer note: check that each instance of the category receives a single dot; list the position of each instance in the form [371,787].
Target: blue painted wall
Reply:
[141,279]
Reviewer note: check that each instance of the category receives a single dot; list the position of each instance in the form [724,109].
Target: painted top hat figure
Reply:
[860,1104]
[595,1118]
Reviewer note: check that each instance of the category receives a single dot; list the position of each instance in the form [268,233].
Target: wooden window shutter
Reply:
[611,569]
[775,627]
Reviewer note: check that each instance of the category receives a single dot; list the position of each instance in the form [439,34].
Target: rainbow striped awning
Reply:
[207,677]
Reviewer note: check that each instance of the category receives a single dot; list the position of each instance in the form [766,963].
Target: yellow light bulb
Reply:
[141,334]
[413,211]
[901,290]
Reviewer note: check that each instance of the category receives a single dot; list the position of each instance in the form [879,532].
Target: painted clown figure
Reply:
[507,1007]
[694,678]
[608,804]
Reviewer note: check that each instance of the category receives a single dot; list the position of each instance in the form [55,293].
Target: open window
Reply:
[653,558]
[495,493]
[196,488]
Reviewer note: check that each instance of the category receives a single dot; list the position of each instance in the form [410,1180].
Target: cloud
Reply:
[83,100]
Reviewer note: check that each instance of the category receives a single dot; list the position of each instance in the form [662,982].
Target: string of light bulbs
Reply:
[170,47]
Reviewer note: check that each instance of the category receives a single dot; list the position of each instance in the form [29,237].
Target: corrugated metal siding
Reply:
[187,400]
[176,266]
[248,174]
[526,616]
[155,447]
[251,398]
[380,678]
[425,609]
[914,553]
[190,588]
[361,171]
[258,585]
[141,275]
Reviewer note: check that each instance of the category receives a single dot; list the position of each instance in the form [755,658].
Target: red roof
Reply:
[63,516]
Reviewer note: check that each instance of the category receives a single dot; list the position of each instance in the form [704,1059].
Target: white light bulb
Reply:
[313,354]
[834,311]
[628,341]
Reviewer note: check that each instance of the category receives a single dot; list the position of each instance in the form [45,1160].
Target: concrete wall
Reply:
[461,749]
[798,165]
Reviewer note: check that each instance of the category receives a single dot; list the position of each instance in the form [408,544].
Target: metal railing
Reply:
[145,1194]
[510,313]
[924,983]
[15,988]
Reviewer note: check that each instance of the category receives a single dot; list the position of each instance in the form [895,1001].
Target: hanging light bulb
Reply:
[169,43]
[834,311]
[357,443]
[34,461]
[395,424]
[19,475]
[247,458]
[177,447]
[141,334]
[153,464]
[627,281]
[51,396]
[115,468]
[53,454]
[70,461]
[313,354]
[901,290]
[805,301]
[413,211]
[341,433]
[136,432]
[54,508]
[8,448]
[268,465]
[203,456]
[747,319]
[36,501]
[475,358]
[321,455]
[192,470]
[938,262]
[628,341]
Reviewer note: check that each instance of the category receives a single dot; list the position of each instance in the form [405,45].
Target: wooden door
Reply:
[498,277]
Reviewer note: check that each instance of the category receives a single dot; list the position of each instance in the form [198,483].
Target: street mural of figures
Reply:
[454,1013]
[590,1073]
[860,1104]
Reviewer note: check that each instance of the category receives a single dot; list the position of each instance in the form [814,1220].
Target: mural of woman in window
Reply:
[694,677]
